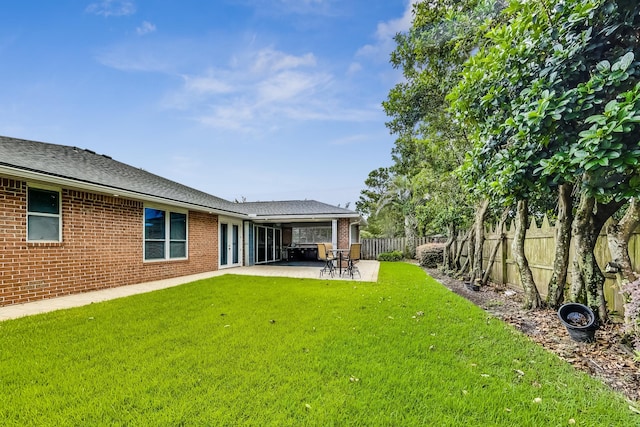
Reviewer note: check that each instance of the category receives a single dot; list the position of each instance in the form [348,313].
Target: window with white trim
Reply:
[165,234]
[44,221]
[317,234]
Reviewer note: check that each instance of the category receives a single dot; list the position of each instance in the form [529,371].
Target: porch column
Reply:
[334,233]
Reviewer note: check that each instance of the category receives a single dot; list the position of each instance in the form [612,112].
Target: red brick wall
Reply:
[101,248]
[343,233]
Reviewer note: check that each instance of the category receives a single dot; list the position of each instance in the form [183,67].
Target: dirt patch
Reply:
[607,359]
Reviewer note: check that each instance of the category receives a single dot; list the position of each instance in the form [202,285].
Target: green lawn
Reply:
[239,350]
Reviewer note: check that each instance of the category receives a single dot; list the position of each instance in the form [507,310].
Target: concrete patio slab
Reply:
[368,271]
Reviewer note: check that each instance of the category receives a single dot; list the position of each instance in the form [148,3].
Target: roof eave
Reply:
[300,217]
[62,181]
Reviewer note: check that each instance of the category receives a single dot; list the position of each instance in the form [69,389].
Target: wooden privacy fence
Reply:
[371,248]
[539,248]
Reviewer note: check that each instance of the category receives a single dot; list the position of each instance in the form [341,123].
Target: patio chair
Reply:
[352,260]
[327,257]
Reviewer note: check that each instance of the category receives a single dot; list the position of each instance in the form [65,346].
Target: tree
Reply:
[618,235]
[558,281]
[550,109]
[380,221]
[532,298]
[400,196]
[429,145]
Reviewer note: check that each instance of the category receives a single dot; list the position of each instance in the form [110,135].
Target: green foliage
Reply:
[376,185]
[378,204]
[547,106]
[264,351]
[393,256]
[387,223]
[430,146]
[387,201]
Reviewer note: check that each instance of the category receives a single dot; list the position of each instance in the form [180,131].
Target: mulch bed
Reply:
[607,359]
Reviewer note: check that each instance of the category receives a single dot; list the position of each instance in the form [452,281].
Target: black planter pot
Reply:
[472,286]
[579,320]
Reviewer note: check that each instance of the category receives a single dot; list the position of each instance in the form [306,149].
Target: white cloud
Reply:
[387,30]
[145,28]
[354,68]
[289,86]
[353,139]
[384,35]
[235,117]
[273,60]
[151,54]
[134,58]
[253,90]
[108,8]
[262,89]
[207,84]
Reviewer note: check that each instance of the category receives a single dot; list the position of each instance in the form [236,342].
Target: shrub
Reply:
[430,255]
[391,256]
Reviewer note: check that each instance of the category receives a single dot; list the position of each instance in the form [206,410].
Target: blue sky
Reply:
[254,99]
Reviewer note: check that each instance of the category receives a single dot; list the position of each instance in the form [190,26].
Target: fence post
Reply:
[503,242]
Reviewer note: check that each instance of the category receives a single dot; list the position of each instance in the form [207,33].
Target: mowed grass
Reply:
[238,350]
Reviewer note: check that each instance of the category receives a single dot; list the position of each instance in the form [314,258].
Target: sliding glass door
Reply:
[268,244]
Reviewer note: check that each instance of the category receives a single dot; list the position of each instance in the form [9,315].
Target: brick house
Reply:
[72,220]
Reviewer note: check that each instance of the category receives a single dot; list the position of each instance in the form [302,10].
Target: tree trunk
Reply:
[532,298]
[410,235]
[446,254]
[618,235]
[471,246]
[481,215]
[463,268]
[558,282]
[496,247]
[461,247]
[587,280]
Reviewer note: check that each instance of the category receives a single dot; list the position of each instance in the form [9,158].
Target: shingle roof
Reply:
[88,167]
[293,207]
[85,166]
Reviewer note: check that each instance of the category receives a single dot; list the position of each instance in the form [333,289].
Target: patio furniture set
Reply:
[340,261]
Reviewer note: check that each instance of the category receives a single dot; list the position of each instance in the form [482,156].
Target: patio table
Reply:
[338,254]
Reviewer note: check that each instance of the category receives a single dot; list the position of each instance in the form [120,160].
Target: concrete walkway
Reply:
[368,270]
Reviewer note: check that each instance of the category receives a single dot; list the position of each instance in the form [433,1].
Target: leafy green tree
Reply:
[399,196]
[383,222]
[555,100]
[429,145]
[376,185]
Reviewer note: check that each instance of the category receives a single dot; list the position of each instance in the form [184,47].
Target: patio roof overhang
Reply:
[272,219]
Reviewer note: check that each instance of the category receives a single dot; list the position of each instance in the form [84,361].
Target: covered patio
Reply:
[290,230]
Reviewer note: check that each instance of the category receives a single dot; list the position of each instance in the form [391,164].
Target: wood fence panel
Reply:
[371,248]
[540,250]
[496,268]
